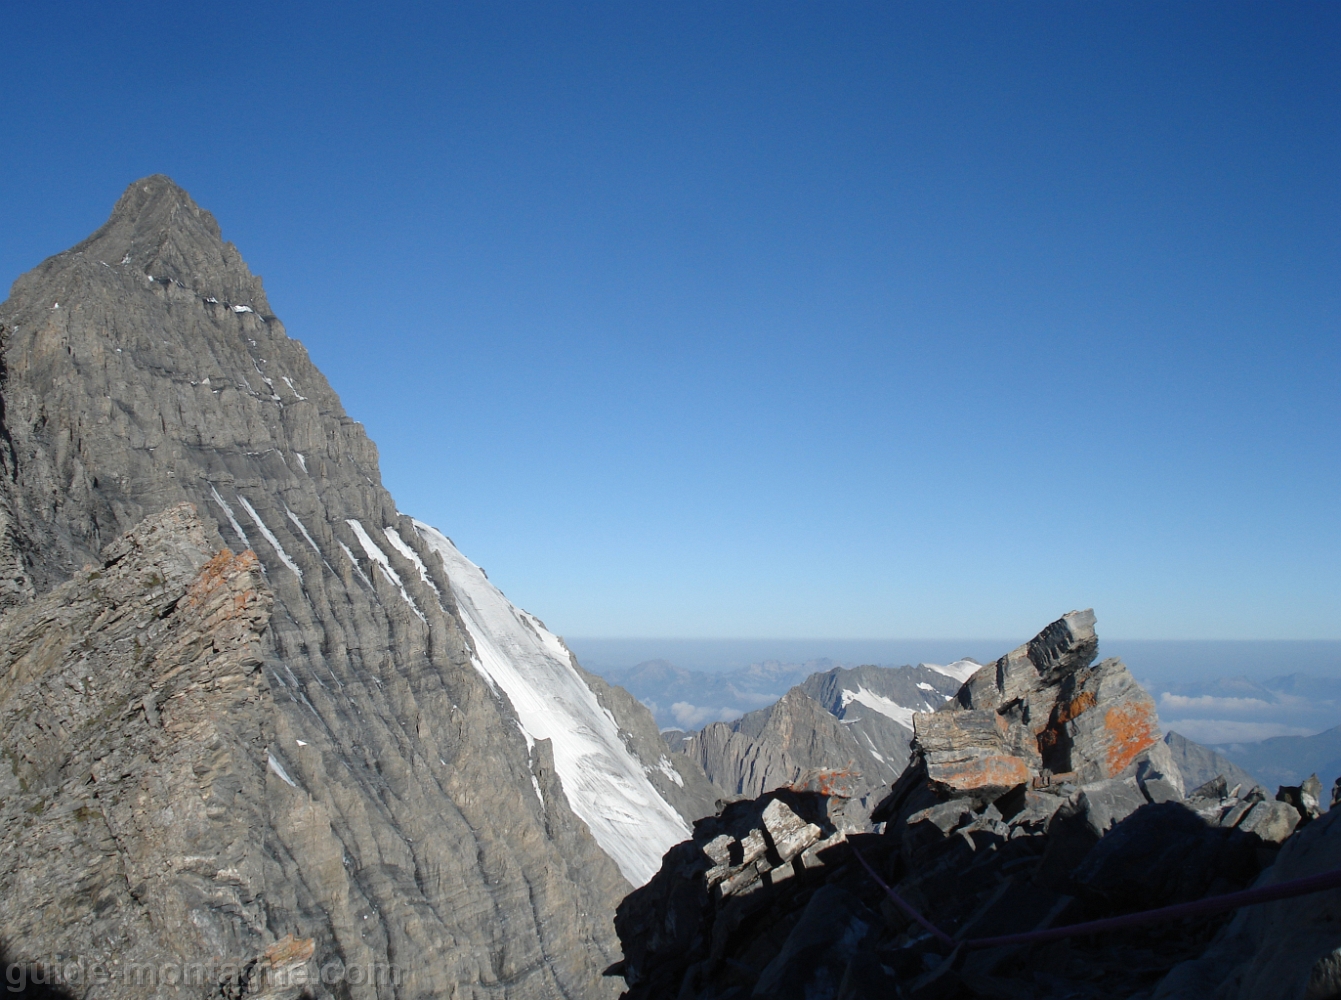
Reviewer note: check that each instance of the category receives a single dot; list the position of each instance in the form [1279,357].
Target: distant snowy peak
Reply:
[606,786]
[960,670]
[879,703]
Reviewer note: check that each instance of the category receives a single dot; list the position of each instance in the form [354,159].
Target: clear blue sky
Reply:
[731,319]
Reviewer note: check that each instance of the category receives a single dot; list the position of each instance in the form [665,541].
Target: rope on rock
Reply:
[1214,904]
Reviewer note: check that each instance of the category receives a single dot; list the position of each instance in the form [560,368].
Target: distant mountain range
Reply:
[1288,760]
[686,700]
[756,728]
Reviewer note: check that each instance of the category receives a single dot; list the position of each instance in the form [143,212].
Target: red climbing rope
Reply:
[1201,907]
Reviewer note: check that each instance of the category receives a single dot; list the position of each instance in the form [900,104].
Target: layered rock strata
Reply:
[411,818]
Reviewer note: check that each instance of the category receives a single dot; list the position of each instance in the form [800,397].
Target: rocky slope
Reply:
[423,809]
[1199,764]
[1041,795]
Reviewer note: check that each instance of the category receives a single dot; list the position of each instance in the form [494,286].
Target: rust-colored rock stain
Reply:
[1134,729]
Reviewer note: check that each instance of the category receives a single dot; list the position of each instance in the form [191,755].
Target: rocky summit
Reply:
[1041,795]
[261,730]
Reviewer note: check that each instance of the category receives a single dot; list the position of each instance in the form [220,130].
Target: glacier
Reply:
[604,783]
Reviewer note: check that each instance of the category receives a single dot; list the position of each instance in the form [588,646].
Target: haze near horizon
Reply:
[776,320]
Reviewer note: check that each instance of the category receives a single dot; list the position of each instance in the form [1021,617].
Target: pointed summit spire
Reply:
[157,228]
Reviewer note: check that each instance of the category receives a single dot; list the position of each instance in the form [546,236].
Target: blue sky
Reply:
[711,320]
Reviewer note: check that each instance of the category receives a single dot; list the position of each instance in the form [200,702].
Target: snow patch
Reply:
[401,546]
[228,512]
[294,518]
[270,537]
[667,768]
[605,784]
[874,752]
[302,462]
[278,768]
[379,557]
[289,382]
[925,686]
[960,670]
[355,563]
[878,702]
[243,309]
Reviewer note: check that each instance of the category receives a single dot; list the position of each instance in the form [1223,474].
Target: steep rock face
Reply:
[876,705]
[1199,764]
[421,825]
[856,720]
[135,720]
[773,747]
[768,902]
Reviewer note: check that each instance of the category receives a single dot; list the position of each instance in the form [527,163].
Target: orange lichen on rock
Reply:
[1080,703]
[290,950]
[219,572]
[1134,728]
[997,771]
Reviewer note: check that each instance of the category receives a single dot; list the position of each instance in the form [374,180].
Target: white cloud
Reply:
[693,716]
[1207,731]
[1210,702]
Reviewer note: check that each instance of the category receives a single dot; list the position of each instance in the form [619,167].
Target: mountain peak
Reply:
[157,228]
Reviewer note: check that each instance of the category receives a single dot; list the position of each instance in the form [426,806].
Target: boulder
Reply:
[1272,821]
[1042,715]
[1305,798]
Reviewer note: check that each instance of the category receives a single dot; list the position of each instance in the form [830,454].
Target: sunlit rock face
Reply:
[406,800]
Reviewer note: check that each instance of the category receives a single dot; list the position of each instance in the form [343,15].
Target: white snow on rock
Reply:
[379,557]
[878,702]
[270,537]
[278,768]
[925,686]
[960,670]
[242,309]
[355,563]
[605,784]
[401,546]
[667,768]
[294,518]
[228,512]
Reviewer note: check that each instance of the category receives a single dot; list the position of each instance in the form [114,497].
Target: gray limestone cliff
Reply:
[856,721]
[377,796]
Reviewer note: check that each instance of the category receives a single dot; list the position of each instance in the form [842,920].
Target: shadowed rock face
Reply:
[405,820]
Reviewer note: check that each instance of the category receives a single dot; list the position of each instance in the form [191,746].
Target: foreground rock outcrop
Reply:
[1041,795]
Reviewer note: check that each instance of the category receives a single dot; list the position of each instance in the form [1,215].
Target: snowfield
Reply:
[605,785]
